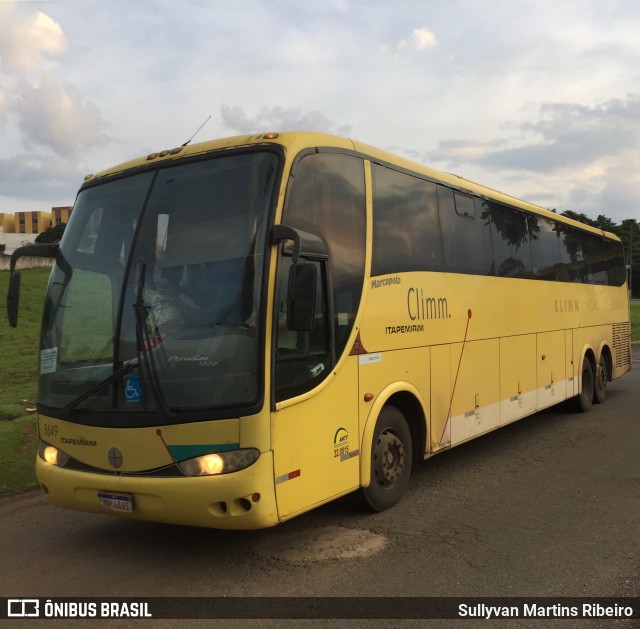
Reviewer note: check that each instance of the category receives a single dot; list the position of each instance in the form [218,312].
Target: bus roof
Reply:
[294,141]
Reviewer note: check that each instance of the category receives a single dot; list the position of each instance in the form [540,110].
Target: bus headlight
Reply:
[52,455]
[219,462]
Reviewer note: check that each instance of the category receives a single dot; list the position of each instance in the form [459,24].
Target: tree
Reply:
[580,217]
[51,234]
[604,222]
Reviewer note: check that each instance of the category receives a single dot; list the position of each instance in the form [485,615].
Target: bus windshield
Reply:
[152,304]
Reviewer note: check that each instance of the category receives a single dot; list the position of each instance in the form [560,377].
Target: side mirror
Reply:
[301,296]
[13,298]
[13,295]
[301,299]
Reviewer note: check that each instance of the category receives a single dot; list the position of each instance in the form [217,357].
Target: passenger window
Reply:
[464,205]
[617,270]
[510,239]
[465,233]
[597,260]
[545,250]
[571,252]
[406,228]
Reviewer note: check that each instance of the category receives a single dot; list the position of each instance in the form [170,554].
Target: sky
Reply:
[537,98]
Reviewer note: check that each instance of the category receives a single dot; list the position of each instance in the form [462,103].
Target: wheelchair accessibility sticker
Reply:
[132,388]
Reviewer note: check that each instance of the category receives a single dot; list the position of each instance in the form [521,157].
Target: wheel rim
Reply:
[602,377]
[388,459]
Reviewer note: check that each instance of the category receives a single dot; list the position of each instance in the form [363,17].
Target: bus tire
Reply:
[584,400]
[601,380]
[391,460]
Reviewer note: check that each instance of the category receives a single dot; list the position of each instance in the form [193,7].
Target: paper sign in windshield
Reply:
[48,360]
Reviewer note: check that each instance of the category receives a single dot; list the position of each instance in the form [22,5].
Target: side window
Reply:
[464,205]
[571,252]
[326,198]
[303,359]
[545,250]
[597,259]
[617,270]
[589,258]
[510,239]
[406,229]
[465,233]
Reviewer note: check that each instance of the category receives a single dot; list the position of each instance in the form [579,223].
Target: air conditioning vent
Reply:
[621,344]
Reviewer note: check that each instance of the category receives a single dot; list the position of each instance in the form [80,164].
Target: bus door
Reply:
[315,424]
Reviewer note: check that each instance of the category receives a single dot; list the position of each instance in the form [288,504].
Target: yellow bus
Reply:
[238,331]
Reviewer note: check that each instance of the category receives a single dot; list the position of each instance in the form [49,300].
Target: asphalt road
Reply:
[549,506]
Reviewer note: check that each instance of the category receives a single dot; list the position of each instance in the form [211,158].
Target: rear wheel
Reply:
[585,397]
[391,459]
[601,380]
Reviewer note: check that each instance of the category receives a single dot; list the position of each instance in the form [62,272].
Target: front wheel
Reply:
[601,380]
[584,400]
[391,459]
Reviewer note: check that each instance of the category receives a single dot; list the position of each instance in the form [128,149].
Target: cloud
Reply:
[570,156]
[45,110]
[4,108]
[521,98]
[572,134]
[421,39]
[279,119]
[235,119]
[25,40]
[619,191]
[458,151]
[565,135]
[55,116]
[49,181]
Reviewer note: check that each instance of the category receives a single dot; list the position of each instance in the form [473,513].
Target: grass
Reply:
[635,323]
[18,374]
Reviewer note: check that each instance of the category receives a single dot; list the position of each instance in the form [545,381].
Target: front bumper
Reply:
[239,500]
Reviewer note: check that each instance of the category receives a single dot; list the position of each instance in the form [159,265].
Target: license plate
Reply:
[122,503]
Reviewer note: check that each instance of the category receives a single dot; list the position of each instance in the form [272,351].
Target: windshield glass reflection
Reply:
[161,272]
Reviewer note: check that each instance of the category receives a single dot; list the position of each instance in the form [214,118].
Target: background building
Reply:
[32,222]
[60,215]
[22,228]
[7,223]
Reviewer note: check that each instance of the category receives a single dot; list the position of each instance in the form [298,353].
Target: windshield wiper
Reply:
[126,368]
[144,347]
